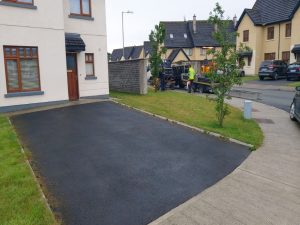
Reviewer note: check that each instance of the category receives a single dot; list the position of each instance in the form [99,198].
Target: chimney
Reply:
[235,21]
[194,24]
[216,27]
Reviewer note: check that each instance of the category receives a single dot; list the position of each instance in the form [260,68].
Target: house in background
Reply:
[52,51]
[271,30]
[129,53]
[190,40]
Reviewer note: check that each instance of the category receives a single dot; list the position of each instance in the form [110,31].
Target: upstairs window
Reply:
[20,1]
[188,51]
[270,35]
[185,36]
[288,30]
[80,7]
[202,51]
[246,36]
[171,36]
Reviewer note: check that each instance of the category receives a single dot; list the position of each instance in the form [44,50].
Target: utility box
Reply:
[248,110]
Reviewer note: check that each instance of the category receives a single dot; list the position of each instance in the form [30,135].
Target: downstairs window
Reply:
[22,69]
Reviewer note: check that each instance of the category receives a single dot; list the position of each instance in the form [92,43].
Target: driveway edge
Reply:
[188,126]
[33,174]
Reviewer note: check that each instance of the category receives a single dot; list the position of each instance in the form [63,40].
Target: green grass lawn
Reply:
[195,111]
[246,79]
[20,200]
[294,84]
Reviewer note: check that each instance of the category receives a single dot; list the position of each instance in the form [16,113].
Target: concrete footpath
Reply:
[265,189]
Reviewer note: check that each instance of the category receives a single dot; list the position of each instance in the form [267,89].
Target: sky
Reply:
[147,13]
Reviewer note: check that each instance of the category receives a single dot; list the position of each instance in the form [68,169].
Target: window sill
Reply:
[18,5]
[91,78]
[24,94]
[72,16]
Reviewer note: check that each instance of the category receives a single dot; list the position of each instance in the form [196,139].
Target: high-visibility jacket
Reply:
[192,73]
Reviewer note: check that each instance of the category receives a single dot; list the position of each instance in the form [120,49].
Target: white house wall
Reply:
[45,28]
[32,28]
[87,88]
[93,33]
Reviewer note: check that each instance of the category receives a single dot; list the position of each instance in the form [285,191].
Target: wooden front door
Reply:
[72,77]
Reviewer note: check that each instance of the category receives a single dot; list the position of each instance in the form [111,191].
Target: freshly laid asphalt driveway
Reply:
[109,165]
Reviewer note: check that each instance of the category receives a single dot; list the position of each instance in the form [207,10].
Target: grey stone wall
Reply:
[128,76]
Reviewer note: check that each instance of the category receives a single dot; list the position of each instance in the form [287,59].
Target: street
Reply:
[277,98]
[272,92]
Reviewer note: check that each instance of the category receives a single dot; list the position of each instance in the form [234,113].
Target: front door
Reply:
[72,77]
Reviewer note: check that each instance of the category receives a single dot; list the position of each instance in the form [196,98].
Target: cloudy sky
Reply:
[147,13]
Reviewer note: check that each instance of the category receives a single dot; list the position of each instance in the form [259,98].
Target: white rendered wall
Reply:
[52,63]
[43,28]
[93,33]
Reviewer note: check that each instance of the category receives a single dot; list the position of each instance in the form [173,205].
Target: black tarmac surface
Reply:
[109,165]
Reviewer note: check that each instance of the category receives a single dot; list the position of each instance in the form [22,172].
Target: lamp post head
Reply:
[128,12]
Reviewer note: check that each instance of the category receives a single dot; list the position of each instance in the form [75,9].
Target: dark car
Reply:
[274,69]
[293,72]
[295,107]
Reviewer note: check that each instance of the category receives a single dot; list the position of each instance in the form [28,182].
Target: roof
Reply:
[174,54]
[266,12]
[147,48]
[132,52]
[74,43]
[184,37]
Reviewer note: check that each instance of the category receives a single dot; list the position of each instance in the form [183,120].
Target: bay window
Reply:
[22,69]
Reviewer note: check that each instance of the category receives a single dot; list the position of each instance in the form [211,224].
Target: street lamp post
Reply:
[127,12]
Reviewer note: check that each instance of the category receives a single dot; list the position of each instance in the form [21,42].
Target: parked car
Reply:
[295,107]
[293,72]
[274,69]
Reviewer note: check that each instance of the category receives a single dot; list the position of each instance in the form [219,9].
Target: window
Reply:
[185,36]
[246,36]
[286,56]
[22,69]
[270,33]
[202,51]
[188,51]
[80,7]
[20,1]
[89,64]
[249,60]
[171,36]
[288,30]
[270,56]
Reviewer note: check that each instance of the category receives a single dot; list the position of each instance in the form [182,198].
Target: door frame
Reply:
[73,54]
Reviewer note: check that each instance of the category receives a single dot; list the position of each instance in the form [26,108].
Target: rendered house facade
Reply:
[190,40]
[271,30]
[51,51]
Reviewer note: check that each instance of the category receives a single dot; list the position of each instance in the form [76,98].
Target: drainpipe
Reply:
[279,40]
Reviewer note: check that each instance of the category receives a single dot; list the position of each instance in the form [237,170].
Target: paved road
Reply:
[108,165]
[275,98]
[281,82]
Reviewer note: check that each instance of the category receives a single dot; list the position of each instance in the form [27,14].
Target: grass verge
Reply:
[294,84]
[195,111]
[249,78]
[21,202]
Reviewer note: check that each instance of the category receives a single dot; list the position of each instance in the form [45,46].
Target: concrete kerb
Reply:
[232,140]
[33,174]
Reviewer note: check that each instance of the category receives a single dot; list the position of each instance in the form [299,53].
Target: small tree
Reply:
[225,72]
[157,37]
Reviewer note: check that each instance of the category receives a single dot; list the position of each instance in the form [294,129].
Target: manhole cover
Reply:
[266,121]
